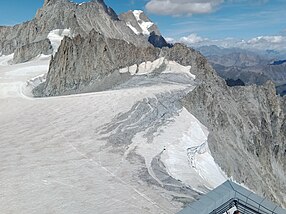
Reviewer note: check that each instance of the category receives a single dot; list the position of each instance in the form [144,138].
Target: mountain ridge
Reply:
[63,14]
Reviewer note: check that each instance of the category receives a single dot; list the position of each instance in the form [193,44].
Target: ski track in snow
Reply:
[54,158]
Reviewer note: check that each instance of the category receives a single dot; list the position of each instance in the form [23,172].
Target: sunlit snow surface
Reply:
[143,25]
[96,152]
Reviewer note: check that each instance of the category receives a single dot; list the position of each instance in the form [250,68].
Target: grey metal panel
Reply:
[240,189]
[216,198]
[243,197]
[254,201]
[204,205]
[264,210]
[279,210]
[264,205]
[224,194]
[228,185]
[187,210]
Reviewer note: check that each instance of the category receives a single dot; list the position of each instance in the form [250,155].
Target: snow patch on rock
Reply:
[174,142]
[150,67]
[133,28]
[56,36]
[143,25]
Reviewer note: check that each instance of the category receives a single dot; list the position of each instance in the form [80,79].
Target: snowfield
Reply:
[142,24]
[130,150]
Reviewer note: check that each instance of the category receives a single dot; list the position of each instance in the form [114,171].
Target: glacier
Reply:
[60,154]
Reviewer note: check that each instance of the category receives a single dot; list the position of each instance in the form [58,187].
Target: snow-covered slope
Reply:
[144,25]
[135,148]
[139,23]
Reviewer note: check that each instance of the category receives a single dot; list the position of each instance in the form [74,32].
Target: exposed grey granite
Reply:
[80,62]
[63,14]
[154,36]
[29,51]
[247,131]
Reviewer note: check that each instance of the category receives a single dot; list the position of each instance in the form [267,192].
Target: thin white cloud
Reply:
[267,42]
[248,1]
[277,42]
[170,40]
[182,7]
[190,7]
[192,39]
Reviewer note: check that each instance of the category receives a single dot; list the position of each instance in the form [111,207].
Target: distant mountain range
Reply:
[248,66]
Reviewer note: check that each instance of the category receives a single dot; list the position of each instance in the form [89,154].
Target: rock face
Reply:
[248,132]
[138,22]
[63,14]
[82,62]
[29,51]
[281,89]
[158,41]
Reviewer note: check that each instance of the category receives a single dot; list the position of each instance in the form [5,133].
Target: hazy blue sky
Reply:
[199,19]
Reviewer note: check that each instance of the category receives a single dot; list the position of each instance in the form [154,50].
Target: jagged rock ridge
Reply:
[248,132]
[83,62]
[63,14]
[29,51]
[139,23]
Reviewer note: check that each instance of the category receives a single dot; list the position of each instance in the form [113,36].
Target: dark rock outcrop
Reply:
[158,41]
[232,82]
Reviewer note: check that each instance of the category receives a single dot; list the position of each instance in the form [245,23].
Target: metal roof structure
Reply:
[229,195]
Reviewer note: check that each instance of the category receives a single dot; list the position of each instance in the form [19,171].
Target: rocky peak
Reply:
[63,14]
[139,23]
[46,2]
[50,2]
[82,62]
